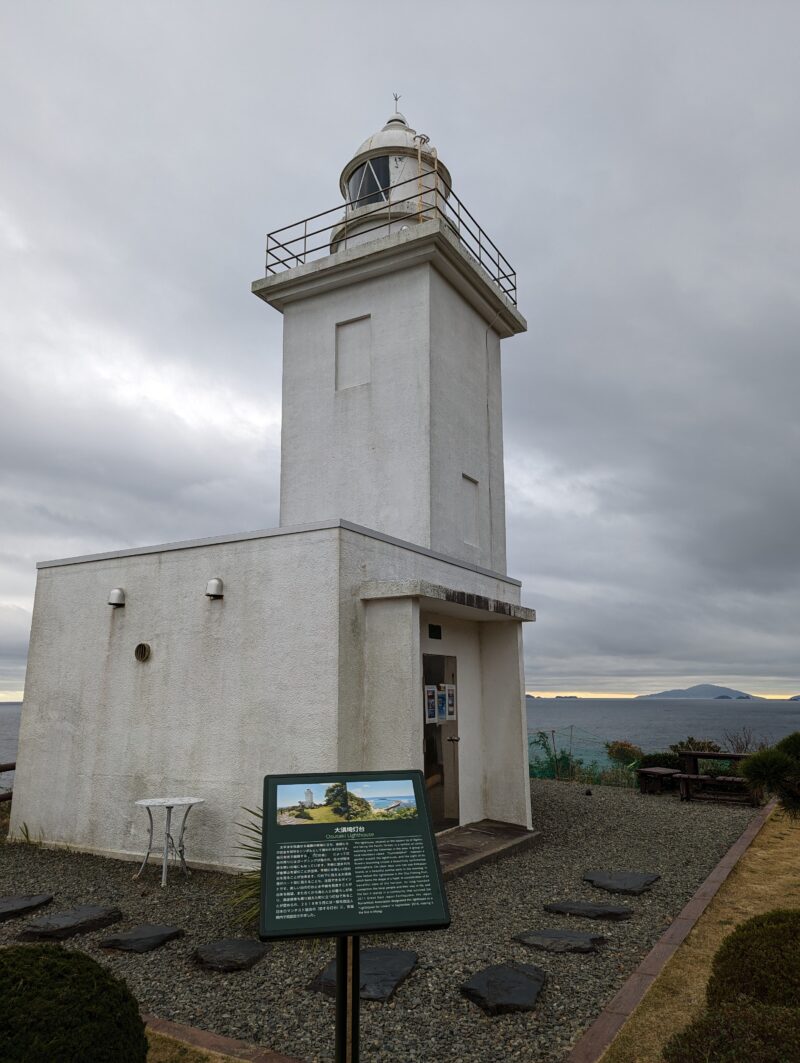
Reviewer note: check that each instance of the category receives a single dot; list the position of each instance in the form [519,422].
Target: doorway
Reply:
[439,677]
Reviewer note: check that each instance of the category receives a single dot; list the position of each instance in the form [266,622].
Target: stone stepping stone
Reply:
[633,882]
[380,973]
[560,940]
[589,910]
[230,954]
[142,938]
[11,907]
[80,920]
[505,987]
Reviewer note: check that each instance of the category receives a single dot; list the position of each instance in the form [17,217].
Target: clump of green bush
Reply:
[661,760]
[623,753]
[777,770]
[759,963]
[60,1005]
[736,1034]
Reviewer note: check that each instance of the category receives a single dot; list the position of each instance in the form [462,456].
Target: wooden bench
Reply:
[716,787]
[654,780]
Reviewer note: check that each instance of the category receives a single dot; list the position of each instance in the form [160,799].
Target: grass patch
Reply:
[324,814]
[766,877]
[163,1049]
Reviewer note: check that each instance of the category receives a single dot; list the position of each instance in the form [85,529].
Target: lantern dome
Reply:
[386,150]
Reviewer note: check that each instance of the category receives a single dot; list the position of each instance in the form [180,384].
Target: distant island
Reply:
[705,691]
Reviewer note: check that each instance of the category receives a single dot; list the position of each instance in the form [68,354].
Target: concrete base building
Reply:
[376,628]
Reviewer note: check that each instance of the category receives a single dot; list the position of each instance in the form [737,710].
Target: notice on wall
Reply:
[348,854]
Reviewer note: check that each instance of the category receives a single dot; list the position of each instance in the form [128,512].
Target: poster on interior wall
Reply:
[441,706]
[450,694]
[430,704]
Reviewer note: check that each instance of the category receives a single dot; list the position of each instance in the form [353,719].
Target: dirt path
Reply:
[767,876]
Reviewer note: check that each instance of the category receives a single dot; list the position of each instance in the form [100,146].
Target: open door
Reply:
[440,690]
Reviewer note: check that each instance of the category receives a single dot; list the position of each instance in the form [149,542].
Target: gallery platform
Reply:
[463,849]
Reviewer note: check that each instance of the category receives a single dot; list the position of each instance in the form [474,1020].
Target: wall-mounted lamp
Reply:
[117,598]
[214,588]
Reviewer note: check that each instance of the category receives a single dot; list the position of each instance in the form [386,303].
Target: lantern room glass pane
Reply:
[369,180]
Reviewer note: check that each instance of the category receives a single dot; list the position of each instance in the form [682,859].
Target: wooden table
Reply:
[651,780]
[690,758]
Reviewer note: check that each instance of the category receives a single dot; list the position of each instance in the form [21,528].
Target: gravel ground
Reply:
[428,1019]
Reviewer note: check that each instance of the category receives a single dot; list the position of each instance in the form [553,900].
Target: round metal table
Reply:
[169,844]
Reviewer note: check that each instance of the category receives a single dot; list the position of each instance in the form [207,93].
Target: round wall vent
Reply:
[142,651]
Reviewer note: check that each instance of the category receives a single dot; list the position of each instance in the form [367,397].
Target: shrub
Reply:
[777,771]
[245,889]
[790,745]
[732,1034]
[661,760]
[700,744]
[60,1005]
[759,963]
[623,752]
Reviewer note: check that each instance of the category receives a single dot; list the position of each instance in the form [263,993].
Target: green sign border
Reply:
[272,833]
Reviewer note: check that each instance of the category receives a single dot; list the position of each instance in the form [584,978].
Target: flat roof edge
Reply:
[270,533]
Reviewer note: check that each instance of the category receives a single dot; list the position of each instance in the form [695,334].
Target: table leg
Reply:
[184,868]
[149,845]
[166,847]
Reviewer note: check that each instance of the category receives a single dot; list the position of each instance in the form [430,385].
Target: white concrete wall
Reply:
[391,453]
[290,672]
[505,725]
[466,429]
[493,776]
[234,689]
[359,453]
[391,736]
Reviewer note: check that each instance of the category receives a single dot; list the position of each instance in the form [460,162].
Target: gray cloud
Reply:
[637,162]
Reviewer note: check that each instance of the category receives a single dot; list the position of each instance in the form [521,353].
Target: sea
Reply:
[384,802]
[586,724]
[9,729]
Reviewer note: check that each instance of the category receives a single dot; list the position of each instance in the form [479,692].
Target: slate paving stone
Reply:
[80,920]
[230,954]
[560,940]
[632,882]
[380,973]
[505,987]
[589,910]
[142,938]
[11,907]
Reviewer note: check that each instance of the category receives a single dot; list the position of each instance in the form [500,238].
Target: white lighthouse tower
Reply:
[376,628]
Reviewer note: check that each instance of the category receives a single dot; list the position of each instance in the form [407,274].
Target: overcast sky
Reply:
[638,163]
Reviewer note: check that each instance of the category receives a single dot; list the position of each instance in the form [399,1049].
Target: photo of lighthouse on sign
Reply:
[346,802]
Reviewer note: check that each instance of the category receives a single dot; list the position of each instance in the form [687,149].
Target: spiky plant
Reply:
[777,770]
[246,888]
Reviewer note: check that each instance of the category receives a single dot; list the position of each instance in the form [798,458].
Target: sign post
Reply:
[347,998]
[346,854]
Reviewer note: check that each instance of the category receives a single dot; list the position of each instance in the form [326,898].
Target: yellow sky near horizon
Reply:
[623,694]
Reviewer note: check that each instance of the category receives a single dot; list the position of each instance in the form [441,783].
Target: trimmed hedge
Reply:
[61,1006]
[738,1034]
[759,963]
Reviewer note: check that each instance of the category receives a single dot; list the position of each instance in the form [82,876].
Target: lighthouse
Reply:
[376,628]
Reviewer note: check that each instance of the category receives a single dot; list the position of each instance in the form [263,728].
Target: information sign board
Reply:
[349,853]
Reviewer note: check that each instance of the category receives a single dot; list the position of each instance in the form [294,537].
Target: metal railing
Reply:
[322,234]
[6,795]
